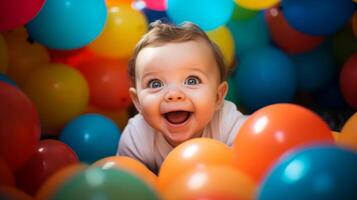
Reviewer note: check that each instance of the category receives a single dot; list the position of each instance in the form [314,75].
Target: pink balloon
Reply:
[159,5]
[15,13]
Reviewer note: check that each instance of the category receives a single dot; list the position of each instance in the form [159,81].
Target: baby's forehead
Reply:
[175,56]
[192,50]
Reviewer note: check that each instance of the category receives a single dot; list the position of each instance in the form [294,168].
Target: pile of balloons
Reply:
[64,100]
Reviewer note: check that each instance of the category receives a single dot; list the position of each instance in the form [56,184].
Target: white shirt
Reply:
[140,141]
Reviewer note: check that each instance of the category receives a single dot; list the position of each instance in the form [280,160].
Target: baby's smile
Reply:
[177,117]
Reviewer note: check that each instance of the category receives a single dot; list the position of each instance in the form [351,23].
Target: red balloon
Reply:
[108,82]
[12,193]
[15,13]
[51,156]
[6,176]
[272,131]
[63,56]
[348,81]
[286,37]
[19,126]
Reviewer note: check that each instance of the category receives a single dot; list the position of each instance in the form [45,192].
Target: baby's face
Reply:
[178,88]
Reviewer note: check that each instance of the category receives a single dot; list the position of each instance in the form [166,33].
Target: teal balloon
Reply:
[240,13]
[265,76]
[92,137]
[232,91]
[249,34]
[314,68]
[68,24]
[105,184]
[208,14]
[315,173]
[6,79]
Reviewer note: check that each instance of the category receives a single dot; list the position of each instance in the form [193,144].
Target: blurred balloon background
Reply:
[64,101]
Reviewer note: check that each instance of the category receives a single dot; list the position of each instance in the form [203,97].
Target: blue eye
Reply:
[192,80]
[155,83]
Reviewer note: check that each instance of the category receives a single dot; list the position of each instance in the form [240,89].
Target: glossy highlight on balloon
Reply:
[272,131]
[318,172]
[194,152]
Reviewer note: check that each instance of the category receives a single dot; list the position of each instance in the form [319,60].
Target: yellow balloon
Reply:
[24,57]
[348,135]
[257,4]
[224,39]
[354,23]
[59,93]
[4,58]
[212,182]
[123,30]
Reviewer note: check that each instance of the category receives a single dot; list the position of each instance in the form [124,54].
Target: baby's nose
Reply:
[174,95]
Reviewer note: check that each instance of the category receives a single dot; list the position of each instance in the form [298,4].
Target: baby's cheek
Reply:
[149,102]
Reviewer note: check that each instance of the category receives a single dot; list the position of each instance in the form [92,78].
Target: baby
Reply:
[178,77]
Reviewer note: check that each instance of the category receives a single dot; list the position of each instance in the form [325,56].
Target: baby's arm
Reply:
[136,142]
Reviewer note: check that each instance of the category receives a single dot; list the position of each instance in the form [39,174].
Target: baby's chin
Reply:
[176,139]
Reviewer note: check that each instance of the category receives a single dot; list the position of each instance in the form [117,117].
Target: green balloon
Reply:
[240,13]
[108,184]
[344,45]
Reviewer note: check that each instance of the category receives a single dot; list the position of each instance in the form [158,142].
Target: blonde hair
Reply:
[161,33]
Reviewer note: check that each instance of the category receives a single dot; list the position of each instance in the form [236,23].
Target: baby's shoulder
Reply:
[138,127]
[228,110]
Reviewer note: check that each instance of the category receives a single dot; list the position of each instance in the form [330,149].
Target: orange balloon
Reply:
[194,152]
[108,82]
[130,165]
[273,130]
[24,57]
[212,181]
[11,193]
[120,116]
[348,135]
[6,176]
[4,58]
[50,186]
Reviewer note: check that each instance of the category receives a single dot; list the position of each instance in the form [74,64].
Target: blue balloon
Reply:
[314,173]
[317,17]
[151,15]
[6,79]
[208,14]
[314,68]
[249,34]
[265,76]
[92,137]
[68,24]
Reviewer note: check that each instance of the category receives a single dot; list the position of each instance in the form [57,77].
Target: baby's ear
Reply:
[134,98]
[221,94]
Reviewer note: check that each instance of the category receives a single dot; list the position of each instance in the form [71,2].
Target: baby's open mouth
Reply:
[177,117]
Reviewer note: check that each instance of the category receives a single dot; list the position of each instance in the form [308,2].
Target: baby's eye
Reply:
[155,83]
[192,80]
